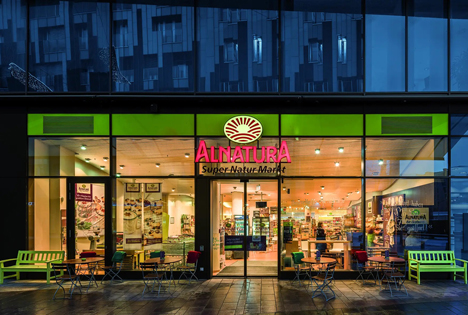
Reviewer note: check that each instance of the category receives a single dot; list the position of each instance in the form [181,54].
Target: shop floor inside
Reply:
[235,296]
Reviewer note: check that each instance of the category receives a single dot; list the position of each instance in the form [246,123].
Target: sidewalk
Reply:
[235,296]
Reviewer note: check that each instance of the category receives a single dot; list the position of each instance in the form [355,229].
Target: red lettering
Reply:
[284,152]
[247,153]
[237,155]
[202,152]
[271,155]
[255,155]
[212,153]
[226,152]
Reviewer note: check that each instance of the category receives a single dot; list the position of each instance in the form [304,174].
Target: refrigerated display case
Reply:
[239,225]
[261,227]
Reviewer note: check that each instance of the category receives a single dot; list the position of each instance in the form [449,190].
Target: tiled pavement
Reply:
[235,296]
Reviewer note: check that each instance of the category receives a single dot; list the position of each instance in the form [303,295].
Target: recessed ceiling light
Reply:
[284,188]
[337,163]
[187,155]
[323,187]
[87,160]
[157,164]
[117,175]
[173,189]
[83,147]
[380,162]
[102,167]
[341,149]
[105,159]
[122,166]
[317,151]
[357,191]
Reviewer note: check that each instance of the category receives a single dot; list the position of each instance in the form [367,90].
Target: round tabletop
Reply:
[78,261]
[381,259]
[167,260]
[323,260]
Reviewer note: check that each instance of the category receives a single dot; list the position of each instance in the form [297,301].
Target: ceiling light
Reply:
[122,166]
[380,162]
[83,147]
[341,149]
[102,167]
[187,155]
[87,160]
[337,163]
[258,187]
[157,164]
[319,192]
[317,151]
[173,189]
[323,187]
[297,139]
[284,188]
[117,175]
[357,191]
[105,159]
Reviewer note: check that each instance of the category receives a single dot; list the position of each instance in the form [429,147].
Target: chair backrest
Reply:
[432,257]
[192,256]
[400,267]
[297,257]
[361,256]
[149,266]
[87,254]
[58,268]
[330,272]
[155,254]
[119,256]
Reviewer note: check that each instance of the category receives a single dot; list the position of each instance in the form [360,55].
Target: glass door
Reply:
[245,233]
[88,218]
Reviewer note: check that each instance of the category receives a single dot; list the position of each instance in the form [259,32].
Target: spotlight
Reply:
[317,151]
[102,167]
[337,163]
[173,189]
[105,159]
[380,162]
[83,147]
[122,167]
[157,164]
[284,188]
[323,187]
[187,155]
[357,191]
[87,160]
[341,149]
[117,175]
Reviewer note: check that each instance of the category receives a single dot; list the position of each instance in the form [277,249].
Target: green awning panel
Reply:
[153,124]
[322,125]
[68,124]
[407,124]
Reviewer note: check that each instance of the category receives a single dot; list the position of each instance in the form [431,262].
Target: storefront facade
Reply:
[118,138]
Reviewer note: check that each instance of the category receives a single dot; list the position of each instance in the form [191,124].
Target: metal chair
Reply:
[151,275]
[397,276]
[62,273]
[114,270]
[299,268]
[363,267]
[323,282]
[192,260]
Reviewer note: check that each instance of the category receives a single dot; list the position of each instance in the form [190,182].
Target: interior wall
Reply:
[41,214]
[179,205]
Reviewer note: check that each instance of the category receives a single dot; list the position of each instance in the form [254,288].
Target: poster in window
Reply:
[132,188]
[90,210]
[153,187]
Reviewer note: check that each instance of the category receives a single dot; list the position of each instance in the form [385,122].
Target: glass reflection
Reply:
[68,43]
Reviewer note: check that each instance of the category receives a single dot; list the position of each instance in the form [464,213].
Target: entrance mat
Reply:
[251,270]
[256,263]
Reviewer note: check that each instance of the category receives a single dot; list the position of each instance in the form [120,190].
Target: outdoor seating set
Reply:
[52,263]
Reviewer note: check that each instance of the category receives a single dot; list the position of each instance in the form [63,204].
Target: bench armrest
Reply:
[6,260]
[414,260]
[463,261]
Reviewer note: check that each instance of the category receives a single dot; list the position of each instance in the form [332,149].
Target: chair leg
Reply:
[60,286]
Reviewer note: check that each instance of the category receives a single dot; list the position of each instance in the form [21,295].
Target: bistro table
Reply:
[88,261]
[167,261]
[381,260]
[347,261]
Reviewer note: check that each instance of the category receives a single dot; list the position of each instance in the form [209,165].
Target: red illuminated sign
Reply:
[241,154]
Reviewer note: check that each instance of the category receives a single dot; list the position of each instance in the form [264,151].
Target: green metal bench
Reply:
[435,261]
[31,261]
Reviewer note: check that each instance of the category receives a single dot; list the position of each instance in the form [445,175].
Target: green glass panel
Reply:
[322,125]
[213,124]
[407,124]
[68,124]
[152,125]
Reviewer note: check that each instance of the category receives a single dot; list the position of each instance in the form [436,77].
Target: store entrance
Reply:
[86,220]
[245,227]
